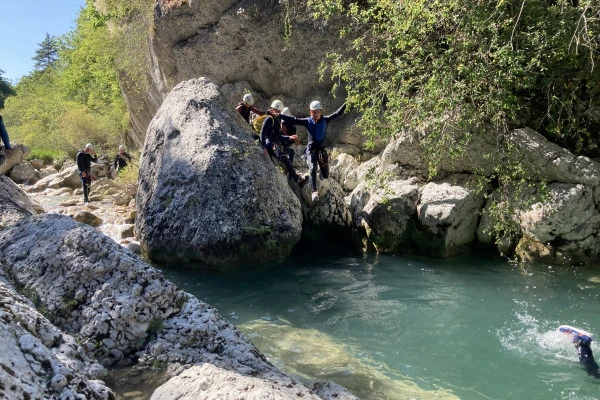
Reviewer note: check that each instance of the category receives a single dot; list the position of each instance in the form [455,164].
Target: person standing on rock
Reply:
[274,143]
[6,140]
[316,125]
[121,159]
[246,106]
[85,158]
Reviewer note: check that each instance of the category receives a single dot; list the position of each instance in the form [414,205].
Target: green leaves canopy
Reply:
[457,65]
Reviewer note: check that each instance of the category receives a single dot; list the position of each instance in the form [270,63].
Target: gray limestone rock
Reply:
[37,360]
[15,203]
[207,381]
[448,214]
[385,216]
[206,192]
[22,173]
[19,155]
[564,229]
[122,310]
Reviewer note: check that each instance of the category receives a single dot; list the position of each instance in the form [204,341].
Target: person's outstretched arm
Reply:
[336,114]
[294,120]
[257,111]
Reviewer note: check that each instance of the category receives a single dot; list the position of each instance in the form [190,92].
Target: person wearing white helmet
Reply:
[275,143]
[247,106]
[85,158]
[316,125]
[121,159]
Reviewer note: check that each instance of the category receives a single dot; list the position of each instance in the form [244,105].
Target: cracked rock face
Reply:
[38,360]
[240,45]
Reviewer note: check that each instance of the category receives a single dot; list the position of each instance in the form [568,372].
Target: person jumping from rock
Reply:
[84,164]
[274,143]
[316,125]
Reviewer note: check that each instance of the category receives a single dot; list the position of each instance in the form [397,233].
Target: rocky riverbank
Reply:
[75,303]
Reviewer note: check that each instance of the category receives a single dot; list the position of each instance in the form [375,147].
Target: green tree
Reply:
[78,100]
[506,63]
[46,54]
[6,89]
[453,70]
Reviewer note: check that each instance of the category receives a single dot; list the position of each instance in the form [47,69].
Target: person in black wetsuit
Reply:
[316,125]
[274,143]
[85,158]
[586,356]
[121,159]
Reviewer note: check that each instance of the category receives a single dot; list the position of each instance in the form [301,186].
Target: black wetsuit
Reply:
[315,151]
[278,144]
[586,358]
[84,164]
[121,160]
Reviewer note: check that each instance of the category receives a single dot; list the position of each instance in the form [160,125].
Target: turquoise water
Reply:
[403,328]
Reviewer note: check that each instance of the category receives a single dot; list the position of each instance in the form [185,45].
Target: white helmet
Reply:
[278,105]
[287,111]
[315,105]
[248,99]
[89,146]
[121,147]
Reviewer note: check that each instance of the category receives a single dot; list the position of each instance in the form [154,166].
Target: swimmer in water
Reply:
[583,342]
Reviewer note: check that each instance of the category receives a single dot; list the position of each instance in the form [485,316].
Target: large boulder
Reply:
[206,192]
[327,222]
[19,154]
[385,216]
[563,229]
[448,214]
[544,160]
[204,382]
[68,177]
[15,203]
[22,173]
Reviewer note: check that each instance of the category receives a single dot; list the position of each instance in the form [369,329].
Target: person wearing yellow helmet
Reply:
[275,143]
[316,125]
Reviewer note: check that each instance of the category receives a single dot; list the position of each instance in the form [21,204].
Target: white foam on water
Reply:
[528,335]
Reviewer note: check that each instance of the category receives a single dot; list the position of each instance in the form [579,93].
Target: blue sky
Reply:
[23,25]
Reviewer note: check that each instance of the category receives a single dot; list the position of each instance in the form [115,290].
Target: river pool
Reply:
[402,328]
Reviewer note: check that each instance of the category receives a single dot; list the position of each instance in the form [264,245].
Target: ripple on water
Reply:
[322,301]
